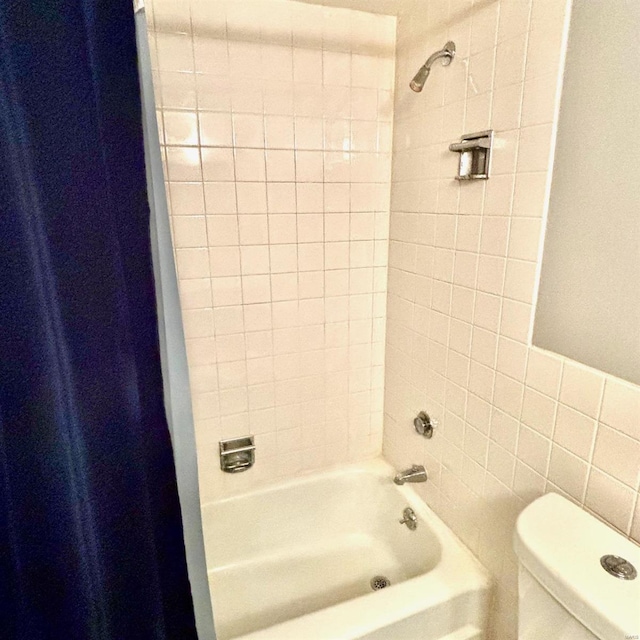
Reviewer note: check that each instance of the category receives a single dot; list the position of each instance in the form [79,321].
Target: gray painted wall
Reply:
[589,299]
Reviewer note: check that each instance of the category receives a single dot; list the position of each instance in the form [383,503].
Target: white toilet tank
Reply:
[564,591]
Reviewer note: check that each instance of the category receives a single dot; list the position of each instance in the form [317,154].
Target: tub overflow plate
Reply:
[618,567]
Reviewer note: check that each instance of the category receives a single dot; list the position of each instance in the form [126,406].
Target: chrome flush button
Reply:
[618,567]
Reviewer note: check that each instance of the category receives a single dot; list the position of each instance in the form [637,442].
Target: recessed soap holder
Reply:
[237,454]
[475,155]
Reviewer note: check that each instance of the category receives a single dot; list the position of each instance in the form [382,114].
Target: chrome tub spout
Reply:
[417,473]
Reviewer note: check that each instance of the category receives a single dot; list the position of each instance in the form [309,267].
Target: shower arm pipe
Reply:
[448,52]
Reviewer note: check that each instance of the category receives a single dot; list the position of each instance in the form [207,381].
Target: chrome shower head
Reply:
[447,54]
[417,84]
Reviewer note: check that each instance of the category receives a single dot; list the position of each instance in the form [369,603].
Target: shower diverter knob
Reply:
[424,424]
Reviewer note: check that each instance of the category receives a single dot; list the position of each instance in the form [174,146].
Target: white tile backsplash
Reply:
[276,121]
[516,421]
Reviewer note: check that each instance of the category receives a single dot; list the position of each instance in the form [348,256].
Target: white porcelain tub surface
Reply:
[293,561]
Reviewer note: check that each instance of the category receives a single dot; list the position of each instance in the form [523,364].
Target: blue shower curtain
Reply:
[91,541]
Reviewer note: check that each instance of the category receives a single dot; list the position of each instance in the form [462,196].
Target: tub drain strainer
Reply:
[379,582]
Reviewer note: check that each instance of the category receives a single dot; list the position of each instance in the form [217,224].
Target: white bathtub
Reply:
[293,561]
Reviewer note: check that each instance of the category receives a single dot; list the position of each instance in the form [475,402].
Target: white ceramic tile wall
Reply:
[276,119]
[516,422]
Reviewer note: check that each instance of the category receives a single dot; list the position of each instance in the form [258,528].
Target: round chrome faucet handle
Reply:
[409,518]
[424,424]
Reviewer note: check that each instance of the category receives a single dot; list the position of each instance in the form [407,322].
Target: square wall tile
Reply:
[217,164]
[215,129]
[180,128]
[582,389]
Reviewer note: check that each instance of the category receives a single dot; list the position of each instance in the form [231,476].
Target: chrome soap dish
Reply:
[475,155]
[237,454]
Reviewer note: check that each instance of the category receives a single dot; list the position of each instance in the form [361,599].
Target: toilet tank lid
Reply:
[561,545]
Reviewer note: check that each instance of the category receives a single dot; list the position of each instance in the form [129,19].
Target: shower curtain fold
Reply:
[91,538]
